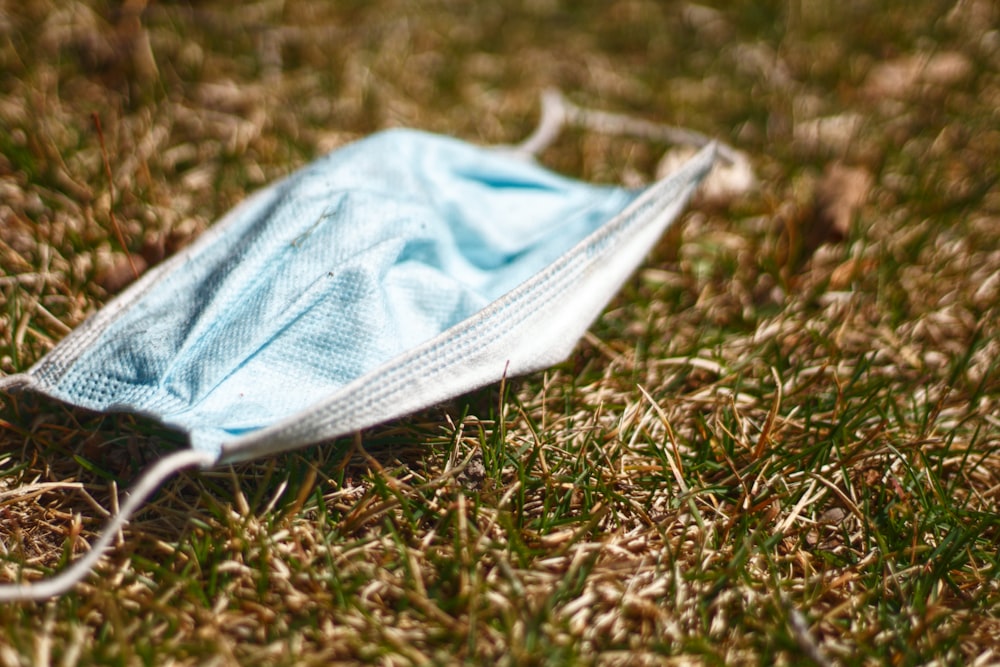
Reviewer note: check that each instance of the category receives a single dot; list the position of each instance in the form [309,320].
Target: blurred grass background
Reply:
[779,445]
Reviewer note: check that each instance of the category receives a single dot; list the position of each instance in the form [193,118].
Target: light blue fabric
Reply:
[316,287]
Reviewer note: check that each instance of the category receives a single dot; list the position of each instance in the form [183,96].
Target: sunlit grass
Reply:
[778,445]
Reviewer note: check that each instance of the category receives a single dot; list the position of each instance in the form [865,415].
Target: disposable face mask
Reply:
[388,276]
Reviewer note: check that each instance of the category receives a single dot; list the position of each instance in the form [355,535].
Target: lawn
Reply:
[780,443]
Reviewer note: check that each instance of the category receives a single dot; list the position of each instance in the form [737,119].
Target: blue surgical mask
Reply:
[390,275]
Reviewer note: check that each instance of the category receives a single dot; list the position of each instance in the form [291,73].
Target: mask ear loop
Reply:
[558,112]
[148,482]
[553,118]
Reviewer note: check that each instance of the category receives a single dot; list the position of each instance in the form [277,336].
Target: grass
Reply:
[778,445]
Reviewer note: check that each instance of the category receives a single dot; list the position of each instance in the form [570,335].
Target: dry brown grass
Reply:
[779,444]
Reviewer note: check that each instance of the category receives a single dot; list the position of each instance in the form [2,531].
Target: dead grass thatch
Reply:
[780,443]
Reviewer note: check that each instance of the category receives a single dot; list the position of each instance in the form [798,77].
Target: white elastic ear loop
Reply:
[557,112]
[150,480]
[549,125]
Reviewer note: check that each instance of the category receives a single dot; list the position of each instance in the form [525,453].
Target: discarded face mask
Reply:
[388,276]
